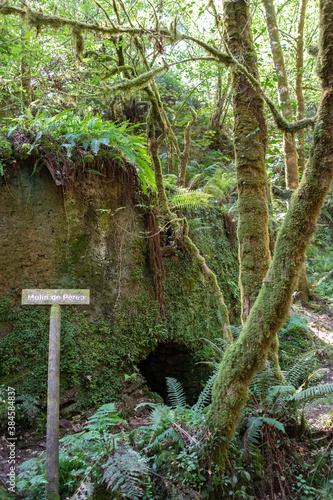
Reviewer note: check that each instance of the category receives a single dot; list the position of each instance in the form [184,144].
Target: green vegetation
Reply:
[175,159]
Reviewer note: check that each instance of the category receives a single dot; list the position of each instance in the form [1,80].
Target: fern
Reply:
[312,392]
[252,435]
[206,394]
[90,132]
[165,437]
[301,369]
[313,403]
[183,198]
[177,423]
[125,472]
[176,393]
[84,491]
[261,383]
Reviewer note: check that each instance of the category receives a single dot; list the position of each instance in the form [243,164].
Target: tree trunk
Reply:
[289,145]
[250,134]
[246,356]
[187,148]
[299,78]
[290,151]
[25,71]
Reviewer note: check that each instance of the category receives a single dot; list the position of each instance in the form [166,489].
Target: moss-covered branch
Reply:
[41,20]
[250,134]
[281,122]
[136,83]
[219,56]
[299,80]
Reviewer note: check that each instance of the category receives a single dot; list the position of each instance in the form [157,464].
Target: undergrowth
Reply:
[89,132]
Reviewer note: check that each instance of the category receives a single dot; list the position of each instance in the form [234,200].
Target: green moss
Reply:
[220,254]
[95,354]
[104,219]
[5,148]
[51,144]
[4,494]
[88,159]
[79,246]
[24,150]
[139,250]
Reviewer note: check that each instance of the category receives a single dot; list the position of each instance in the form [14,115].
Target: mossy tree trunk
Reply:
[299,80]
[303,288]
[289,144]
[250,144]
[246,356]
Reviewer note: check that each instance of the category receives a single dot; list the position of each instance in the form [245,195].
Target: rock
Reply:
[66,424]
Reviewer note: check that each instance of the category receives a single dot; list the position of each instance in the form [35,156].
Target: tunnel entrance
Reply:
[173,360]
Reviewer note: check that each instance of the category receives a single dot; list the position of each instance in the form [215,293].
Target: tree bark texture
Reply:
[250,144]
[299,79]
[246,356]
[289,144]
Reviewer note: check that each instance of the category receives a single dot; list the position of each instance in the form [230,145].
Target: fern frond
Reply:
[316,474]
[261,384]
[274,423]
[125,473]
[168,435]
[159,421]
[252,434]
[281,390]
[176,393]
[313,392]
[189,199]
[301,369]
[327,400]
[206,394]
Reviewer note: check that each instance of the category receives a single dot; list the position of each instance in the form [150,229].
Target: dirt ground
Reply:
[321,326]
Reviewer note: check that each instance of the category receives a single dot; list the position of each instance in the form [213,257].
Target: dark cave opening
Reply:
[173,360]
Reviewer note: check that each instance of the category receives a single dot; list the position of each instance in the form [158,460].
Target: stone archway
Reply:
[173,360]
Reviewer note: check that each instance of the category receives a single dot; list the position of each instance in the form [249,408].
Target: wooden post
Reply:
[54,298]
[52,430]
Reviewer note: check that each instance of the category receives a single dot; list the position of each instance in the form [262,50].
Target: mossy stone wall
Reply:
[91,235]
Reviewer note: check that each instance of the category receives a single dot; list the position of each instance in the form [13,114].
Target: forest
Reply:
[165,186]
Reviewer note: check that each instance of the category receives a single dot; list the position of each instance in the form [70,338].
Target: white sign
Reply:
[50,297]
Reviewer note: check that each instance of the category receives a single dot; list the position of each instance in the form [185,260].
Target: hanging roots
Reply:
[156,261]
